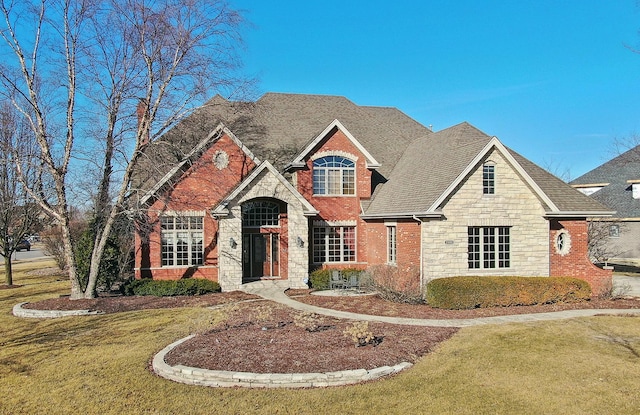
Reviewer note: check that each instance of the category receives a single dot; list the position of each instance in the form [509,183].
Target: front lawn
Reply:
[99,365]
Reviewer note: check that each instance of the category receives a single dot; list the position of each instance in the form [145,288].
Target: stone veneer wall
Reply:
[266,185]
[514,204]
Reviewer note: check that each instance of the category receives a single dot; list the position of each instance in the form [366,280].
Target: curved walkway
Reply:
[274,290]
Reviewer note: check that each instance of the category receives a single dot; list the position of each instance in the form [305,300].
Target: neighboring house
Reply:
[273,189]
[616,184]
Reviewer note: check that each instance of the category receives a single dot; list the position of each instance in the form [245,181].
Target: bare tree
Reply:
[599,245]
[18,212]
[78,69]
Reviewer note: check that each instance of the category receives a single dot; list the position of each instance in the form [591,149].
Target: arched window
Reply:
[334,175]
[260,213]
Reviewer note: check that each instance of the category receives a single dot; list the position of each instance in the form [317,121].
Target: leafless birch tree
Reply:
[77,70]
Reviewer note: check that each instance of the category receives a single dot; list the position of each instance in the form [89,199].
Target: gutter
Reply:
[580,214]
[409,215]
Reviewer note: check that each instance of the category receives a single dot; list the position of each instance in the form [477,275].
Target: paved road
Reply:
[27,255]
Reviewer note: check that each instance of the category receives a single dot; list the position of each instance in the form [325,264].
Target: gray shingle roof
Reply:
[566,198]
[277,126]
[617,194]
[417,165]
[429,165]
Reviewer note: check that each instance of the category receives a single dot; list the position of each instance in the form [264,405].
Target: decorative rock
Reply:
[19,311]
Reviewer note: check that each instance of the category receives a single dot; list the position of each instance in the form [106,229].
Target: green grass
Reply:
[98,365]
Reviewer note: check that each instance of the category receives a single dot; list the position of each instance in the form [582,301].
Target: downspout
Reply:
[421,254]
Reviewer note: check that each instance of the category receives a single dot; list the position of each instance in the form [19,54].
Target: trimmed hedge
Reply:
[170,288]
[320,277]
[457,293]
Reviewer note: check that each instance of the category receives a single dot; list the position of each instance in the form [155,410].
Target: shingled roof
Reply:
[612,176]
[417,167]
[277,126]
[432,165]
[429,165]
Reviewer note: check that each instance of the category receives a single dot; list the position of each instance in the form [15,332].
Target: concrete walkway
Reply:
[274,290]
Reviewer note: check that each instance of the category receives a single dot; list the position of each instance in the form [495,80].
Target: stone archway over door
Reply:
[264,240]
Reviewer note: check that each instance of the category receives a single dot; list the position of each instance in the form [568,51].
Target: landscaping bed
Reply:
[271,338]
[119,303]
[374,305]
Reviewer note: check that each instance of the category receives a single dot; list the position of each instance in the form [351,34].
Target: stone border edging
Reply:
[225,378]
[19,311]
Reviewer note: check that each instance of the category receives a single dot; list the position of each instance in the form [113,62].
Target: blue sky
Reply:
[554,80]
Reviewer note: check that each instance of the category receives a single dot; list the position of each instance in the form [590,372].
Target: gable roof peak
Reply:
[299,162]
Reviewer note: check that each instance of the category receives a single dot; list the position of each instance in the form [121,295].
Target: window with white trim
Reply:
[334,244]
[614,231]
[260,213]
[334,175]
[489,247]
[182,240]
[488,179]
[392,247]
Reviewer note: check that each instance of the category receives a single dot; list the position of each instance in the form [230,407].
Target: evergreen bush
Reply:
[170,288]
[458,293]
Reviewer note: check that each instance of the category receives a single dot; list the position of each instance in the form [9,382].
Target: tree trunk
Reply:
[76,289]
[8,270]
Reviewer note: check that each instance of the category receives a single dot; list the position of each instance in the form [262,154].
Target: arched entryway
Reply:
[264,240]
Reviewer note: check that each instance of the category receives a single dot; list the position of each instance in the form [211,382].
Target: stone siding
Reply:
[514,204]
[266,185]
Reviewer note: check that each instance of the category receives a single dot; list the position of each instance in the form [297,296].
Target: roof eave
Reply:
[579,214]
[402,215]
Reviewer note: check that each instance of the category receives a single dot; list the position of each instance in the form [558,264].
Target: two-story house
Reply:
[616,184]
[277,187]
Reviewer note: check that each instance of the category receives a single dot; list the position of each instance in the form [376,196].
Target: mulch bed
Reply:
[8,287]
[117,303]
[269,338]
[374,305]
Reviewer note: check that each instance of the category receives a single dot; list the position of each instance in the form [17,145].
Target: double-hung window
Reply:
[392,247]
[334,175]
[489,247]
[182,240]
[334,244]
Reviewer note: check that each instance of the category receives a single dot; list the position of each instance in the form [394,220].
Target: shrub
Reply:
[53,241]
[478,292]
[169,288]
[311,322]
[320,277]
[360,334]
[394,284]
[109,269]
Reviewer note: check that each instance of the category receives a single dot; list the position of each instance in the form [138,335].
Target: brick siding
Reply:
[575,263]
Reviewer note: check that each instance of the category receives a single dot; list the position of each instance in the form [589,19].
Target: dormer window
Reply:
[488,178]
[589,188]
[635,188]
[334,175]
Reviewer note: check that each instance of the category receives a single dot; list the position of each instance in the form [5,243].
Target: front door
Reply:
[261,255]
